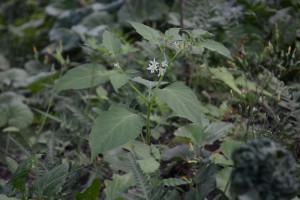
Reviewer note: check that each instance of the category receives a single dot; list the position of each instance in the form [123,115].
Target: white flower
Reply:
[116,65]
[153,66]
[161,72]
[177,45]
[164,64]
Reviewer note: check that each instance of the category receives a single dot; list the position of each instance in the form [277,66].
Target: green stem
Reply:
[172,59]
[150,101]
[149,105]
[137,91]
[148,133]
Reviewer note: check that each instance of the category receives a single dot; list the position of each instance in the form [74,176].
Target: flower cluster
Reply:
[159,68]
[264,170]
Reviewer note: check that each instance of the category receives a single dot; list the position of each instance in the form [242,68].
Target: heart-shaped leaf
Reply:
[83,76]
[183,101]
[114,128]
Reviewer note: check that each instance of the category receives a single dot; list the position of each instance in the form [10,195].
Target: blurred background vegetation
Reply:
[258,92]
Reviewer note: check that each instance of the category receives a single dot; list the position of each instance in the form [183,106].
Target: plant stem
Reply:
[181,2]
[172,59]
[150,101]
[148,133]
[137,91]
[149,104]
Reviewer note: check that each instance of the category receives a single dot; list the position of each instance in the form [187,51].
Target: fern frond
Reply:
[286,107]
[50,157]
[143,187]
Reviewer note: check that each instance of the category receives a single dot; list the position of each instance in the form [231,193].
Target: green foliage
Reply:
[91,192]
[141,180]
[147,32]
[112,43]
[141,11]
[149,165]
[118,80]
[203,136]
[113,128]
[84,76]
[223,178]
[21,173]
[183,102]
[133,74]
[174,182]
[11,164]
[205,179]
[119,185]
[216,46]
[14,112]
[224,75]
[51,181]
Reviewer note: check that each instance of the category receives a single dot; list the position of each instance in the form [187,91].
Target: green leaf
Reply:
[83,76]
[16,114]
[148,165]
[222,74]
[147,32]
[197,50]
[114,128]
[155,152]
[11,164]
[51,181]
[148,155]
[251,86]
[229,146]
[201,136]
[93,43]
[216,130]
[220,159]
[199,32]
[216,46]
[139,149]
[172,34]
[91,193]
[19,177]
[194,132]
[183,101]
[205,179]
[147,83]
[118,80]
[112,43]
[117,186]
[142,181]
[223,178]
[174,182]
[15,77]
